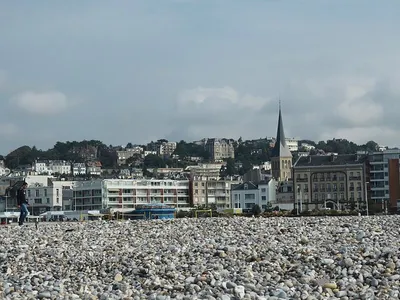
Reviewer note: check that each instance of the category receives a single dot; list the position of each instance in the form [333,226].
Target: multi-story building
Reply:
[166,148]
[47,197]
[60,167]
[93,168]
[205,170]
[78,169]
[123,155]
[125,194]
[41,167]
[281,160]
[208,191]
[383,183]
[220,149]
[330,181]
[285,196]
[248,194]
[292,144]
[49,167]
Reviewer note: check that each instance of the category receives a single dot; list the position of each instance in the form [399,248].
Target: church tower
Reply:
[281,160]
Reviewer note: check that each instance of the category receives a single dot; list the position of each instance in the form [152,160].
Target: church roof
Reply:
[280,148]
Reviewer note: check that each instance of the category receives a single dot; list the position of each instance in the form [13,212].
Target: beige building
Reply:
[330,181]
[205,170]
[210,191]
[220,149]
[281,160]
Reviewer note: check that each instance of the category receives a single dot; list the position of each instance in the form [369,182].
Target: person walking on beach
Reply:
[22,203]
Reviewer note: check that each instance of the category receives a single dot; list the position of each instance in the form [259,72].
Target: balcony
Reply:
[351,188]
[355,178]
[334,178]
[359,188]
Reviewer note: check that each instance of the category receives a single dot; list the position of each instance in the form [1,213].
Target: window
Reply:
[246,186]
[263,190]
[45,192]
[38,201]
[58,201]
[37,193]
[264,198]
[58,192]
[48,200]
[249,196]
[29,193]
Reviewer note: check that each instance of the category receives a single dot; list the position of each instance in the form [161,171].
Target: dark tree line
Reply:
[247,153]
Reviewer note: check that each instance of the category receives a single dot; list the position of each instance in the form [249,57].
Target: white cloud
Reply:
[219,98]
[358,108]
[8,129]
[47,103]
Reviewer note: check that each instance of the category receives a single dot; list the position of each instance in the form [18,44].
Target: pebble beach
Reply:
[205,258]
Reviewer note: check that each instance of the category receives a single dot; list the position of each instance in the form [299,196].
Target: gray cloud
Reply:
[143,70]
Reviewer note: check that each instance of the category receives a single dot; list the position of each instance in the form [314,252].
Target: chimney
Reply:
[333,157]
[309,159]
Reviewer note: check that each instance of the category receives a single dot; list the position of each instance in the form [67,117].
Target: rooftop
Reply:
[330,160]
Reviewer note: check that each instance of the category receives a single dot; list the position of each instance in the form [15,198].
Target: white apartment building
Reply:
[52,167]
[78,169]
[125,194]
[248,194]
[41,167]
[292,144]
[60,167]
[208,191]
[47,197]
[166,149]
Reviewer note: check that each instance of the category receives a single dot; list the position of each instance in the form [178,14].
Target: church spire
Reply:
[280,148]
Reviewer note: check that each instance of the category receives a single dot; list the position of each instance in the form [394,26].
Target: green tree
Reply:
[153,161]
[185,150]
[230,169]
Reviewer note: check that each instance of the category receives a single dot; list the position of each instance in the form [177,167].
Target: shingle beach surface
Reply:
[210,258]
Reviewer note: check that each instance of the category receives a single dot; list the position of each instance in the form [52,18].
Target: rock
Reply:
[239,291]
[205,258]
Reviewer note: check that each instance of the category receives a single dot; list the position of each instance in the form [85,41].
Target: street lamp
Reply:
[366,197]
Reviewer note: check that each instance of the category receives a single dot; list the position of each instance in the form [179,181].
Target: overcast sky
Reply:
[136,71]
